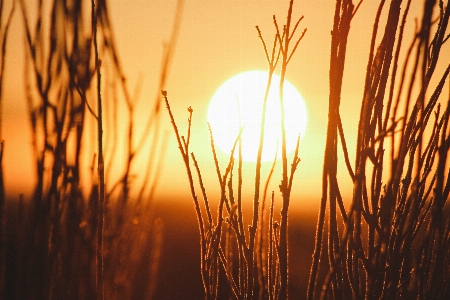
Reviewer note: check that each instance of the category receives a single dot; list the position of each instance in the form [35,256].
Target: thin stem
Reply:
[101,170]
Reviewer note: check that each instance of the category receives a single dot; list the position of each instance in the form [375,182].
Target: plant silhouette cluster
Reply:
[86,233]
[392,242]
[89,233]
[252,267]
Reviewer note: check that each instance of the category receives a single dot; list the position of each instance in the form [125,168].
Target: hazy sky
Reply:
[217,40]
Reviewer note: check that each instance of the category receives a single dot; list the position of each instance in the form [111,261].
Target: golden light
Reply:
[239,103]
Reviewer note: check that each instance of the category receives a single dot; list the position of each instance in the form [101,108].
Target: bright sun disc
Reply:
[239,102]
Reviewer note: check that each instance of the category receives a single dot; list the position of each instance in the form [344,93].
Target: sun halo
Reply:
[238,103]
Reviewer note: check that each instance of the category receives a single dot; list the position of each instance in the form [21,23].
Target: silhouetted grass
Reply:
[62,244]
[252,268]
[395,235]
[391,242]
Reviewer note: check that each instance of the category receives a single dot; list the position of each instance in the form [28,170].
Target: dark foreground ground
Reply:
[179,269]
[179,275]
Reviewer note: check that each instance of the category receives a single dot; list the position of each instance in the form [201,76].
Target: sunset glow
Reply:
[243,149]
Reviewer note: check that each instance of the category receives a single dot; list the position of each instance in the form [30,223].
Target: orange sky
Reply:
[217,40]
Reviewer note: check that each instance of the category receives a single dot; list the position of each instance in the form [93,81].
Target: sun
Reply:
[238,103]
